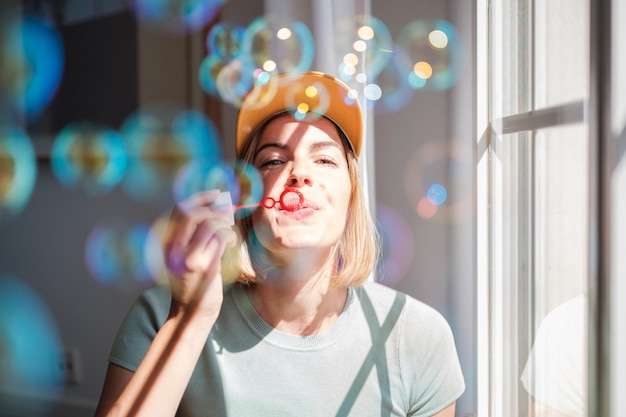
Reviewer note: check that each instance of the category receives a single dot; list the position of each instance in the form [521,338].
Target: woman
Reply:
[301,332]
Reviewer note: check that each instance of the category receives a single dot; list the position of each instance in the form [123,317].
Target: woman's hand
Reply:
[196,238]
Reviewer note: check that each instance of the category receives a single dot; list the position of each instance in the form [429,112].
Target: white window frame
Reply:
[499,333]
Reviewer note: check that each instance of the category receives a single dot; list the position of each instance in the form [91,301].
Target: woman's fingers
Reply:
[199,199]
[198,267]
[208,242]
[185,222]
[188,213]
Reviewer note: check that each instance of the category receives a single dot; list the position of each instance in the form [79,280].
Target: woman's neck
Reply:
[298,300]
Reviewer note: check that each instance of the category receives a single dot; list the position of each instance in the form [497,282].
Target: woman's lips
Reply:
[296,208]
[294,204]
[299,214]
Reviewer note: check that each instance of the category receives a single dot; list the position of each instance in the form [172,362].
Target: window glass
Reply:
[511,272]
[510,58]
[555,375]
[561,52]
[538,202]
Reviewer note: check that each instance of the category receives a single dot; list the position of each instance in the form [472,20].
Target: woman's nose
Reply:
[299,175]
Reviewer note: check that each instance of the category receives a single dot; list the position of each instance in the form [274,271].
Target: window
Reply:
[533,206]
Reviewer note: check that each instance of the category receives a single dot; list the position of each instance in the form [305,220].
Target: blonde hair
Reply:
[355,255]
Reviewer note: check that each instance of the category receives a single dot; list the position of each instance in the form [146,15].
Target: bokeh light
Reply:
[120,255]
[18,171]
[89,156]
[160,140]
[363,46]
[179,16]
[434,51]
[372,92]
[278,44]
[437,194]
[398,244]
[426,209]
[31,65]
[429,181]
[30,345]
[313,101]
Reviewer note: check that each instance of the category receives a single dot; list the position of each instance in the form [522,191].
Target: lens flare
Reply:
[178,16]
[89,156]
[18,171]
[30,344]
[160,141]
[287,43]
[31,65]
[434,51]
[398,244]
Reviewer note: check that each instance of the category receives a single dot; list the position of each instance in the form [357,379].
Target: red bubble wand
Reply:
[224,203]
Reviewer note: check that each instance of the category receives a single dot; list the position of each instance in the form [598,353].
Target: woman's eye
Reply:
[271,162]
[324,160]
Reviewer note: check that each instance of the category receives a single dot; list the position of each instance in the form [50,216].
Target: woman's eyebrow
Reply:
[281,146]
[314,147]
[326,144]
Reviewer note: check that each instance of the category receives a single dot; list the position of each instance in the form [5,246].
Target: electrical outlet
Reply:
[68,367]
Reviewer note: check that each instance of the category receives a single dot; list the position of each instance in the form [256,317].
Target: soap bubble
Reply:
[398,244]
[235,81]
[18,171]
[90,156]
[224,40]
[31,65]
[160,141]
[434,51]
[278,44]
[208,73]
[430,175]
[392,80]
[178,16]
[120,254]
[202,175]
[363,46]
[30,345]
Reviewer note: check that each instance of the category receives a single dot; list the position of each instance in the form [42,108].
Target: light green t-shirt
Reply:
[386,355]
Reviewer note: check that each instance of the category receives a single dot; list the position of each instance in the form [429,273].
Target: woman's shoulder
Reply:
[385,298]
[157,297]
[412,317]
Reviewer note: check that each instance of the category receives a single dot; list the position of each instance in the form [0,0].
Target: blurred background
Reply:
[111,111]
